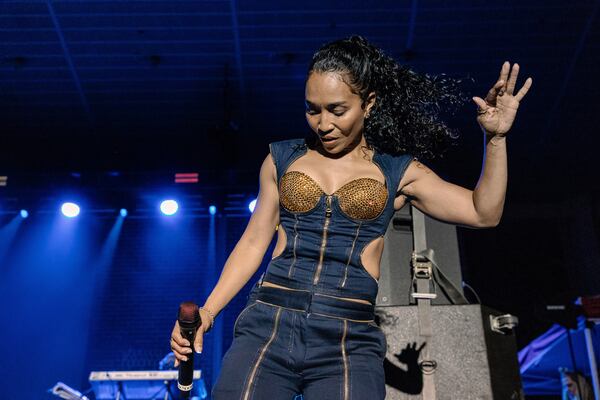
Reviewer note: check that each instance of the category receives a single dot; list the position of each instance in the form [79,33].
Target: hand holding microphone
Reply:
[189,328]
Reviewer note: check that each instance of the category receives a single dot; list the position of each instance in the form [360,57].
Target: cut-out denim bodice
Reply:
[326,233]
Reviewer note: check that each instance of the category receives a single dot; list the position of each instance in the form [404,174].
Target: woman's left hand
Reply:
[498,111]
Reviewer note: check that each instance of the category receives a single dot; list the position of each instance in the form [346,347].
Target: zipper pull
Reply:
[328,206]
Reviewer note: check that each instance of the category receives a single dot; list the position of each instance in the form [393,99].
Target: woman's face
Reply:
[333,112]
[570,384]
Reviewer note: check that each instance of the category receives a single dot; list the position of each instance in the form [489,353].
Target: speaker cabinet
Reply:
[474,362]
[395,274]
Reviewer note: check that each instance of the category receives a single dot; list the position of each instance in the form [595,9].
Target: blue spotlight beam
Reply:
[558,98]
[7,235]
[69,61]
[238,56]
[412,24]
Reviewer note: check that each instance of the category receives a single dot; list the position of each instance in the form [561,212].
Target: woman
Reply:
[308,326]
[575,386]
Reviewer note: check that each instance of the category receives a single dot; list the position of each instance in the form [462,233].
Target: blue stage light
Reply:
[24,213]
[123,212]
[70,210]
[169,207]
[251,205]
[212,210]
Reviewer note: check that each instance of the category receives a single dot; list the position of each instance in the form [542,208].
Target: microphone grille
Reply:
[188,312]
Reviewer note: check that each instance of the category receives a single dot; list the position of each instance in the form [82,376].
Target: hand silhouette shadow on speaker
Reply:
[408,381]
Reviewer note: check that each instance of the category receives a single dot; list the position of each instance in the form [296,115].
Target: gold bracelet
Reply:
[211,315]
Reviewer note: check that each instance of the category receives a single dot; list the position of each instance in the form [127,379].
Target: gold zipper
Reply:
[350,256]
[345,359]
[324,239]
[294,249]
[262,354]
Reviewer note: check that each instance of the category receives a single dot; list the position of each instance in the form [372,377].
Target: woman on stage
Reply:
[308,326]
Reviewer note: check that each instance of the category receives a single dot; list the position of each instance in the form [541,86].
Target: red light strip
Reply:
[191,177]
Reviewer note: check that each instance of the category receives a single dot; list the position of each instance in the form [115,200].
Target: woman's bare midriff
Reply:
[265,283]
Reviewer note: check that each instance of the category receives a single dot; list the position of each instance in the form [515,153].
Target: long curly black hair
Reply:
[406,116]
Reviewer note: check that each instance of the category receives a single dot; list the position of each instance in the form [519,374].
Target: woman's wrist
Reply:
[489,134]
[207,313]
[495,140]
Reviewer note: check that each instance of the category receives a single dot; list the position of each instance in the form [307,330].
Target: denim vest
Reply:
[329,262]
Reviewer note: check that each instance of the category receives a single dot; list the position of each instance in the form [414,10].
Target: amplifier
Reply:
[395,274]
[473,353]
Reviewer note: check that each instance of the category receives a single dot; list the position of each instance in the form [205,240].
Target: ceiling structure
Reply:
[146,85]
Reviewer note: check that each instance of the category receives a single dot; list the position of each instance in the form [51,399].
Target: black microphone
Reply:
[189,322]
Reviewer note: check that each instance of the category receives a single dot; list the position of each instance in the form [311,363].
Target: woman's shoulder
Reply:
[286,147]
[395,159]
[394,165]
[288,142]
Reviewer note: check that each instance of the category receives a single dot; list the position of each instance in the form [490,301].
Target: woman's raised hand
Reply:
[498,111]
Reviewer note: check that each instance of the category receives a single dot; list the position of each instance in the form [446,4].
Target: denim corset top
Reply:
[327,233]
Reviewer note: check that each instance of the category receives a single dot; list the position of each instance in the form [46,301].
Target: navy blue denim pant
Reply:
[293,342]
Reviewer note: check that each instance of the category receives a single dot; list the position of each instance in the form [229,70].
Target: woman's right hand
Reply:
[181,346]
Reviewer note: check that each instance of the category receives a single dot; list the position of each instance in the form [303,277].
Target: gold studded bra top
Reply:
[362,198]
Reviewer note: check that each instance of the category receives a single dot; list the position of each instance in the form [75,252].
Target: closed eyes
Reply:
[314,112]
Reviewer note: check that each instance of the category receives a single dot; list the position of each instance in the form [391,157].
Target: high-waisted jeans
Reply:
[289,342]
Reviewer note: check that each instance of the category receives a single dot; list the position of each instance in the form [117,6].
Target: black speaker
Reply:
[472,354]
[395,273]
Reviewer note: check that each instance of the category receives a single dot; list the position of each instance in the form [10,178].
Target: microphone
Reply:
[189,322]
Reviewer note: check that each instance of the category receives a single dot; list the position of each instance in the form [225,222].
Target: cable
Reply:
[466,285]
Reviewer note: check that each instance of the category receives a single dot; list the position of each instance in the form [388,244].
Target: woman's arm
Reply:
[481,207]
[249,251]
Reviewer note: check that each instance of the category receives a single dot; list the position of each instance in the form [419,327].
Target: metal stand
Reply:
[168,394]
[592,358]
[423,292]
[120,391]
